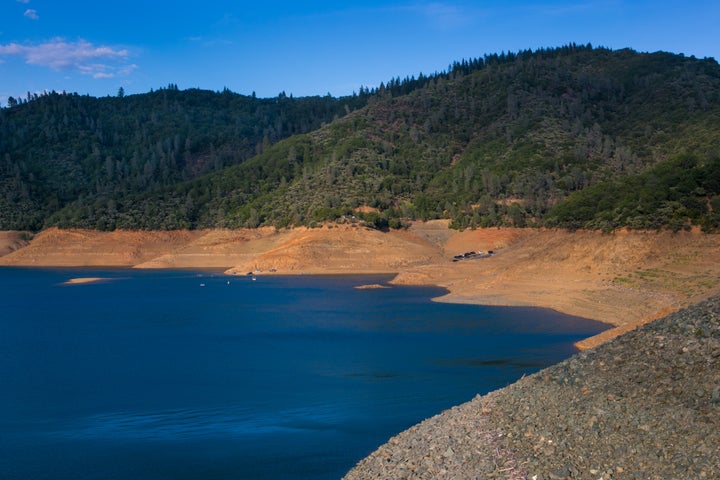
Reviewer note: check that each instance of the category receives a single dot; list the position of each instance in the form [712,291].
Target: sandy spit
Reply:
[83,280]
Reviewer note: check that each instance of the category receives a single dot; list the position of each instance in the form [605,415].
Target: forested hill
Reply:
[61,148]
[571,137]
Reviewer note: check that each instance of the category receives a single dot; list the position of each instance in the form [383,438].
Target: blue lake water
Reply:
[186,375]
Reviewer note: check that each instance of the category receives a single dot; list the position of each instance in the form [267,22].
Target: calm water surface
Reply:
[186,375]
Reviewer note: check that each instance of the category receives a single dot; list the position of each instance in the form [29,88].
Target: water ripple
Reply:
[176,424]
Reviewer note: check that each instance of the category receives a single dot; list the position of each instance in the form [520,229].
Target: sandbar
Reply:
[83,280]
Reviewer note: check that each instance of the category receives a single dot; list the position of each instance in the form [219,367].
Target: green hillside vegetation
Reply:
[56,149]
[573,137]
[675,194]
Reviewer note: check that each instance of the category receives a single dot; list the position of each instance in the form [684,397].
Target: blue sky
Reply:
[313,47]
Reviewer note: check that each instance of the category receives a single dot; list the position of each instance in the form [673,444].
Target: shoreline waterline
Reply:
[614,328]
[619,279]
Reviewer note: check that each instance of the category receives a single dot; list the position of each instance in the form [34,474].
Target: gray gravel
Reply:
[643,406]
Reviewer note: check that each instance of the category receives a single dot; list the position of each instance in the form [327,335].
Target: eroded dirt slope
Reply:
[59,248]
[343,249]
[11,241]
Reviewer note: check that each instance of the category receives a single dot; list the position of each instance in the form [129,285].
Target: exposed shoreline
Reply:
[625,279]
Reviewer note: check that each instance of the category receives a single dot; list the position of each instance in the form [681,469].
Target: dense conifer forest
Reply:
[571,137]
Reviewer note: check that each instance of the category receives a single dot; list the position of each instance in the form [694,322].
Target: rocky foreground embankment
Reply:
[645,405]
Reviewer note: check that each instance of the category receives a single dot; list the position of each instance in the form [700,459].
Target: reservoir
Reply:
[187,374]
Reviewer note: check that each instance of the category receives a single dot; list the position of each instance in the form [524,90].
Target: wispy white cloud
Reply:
[210,42]
[563,9]
[31,14]
[444,15]
[80,56]
[24,1]
[439,15]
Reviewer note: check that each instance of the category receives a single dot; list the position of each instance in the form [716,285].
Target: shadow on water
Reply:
[498,362]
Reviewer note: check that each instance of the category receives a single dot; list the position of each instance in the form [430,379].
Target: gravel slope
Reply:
[643,406]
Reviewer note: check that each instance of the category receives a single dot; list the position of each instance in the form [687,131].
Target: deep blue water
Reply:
[182,375]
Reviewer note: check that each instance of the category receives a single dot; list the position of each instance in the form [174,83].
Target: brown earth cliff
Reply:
[624,279]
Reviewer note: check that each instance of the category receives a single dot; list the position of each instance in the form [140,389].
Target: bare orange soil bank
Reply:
[623,278]
[11,241]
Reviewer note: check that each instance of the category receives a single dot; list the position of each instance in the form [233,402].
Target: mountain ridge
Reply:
[506,140]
